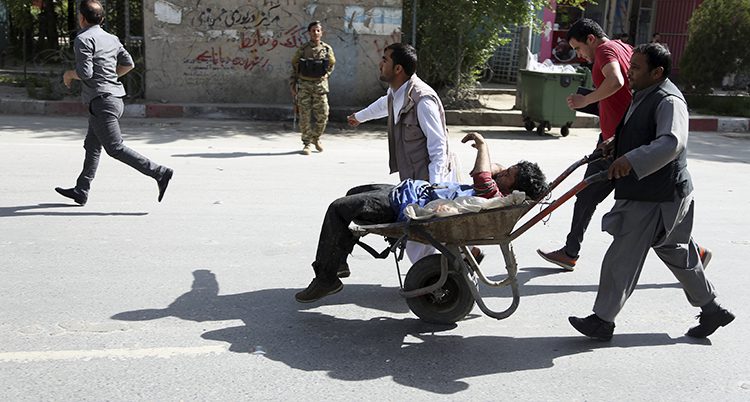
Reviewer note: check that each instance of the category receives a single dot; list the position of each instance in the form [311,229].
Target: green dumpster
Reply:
[544,99]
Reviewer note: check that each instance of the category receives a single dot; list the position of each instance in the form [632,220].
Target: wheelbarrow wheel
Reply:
[446,305]
[540,129]
[528,124]
[565,130]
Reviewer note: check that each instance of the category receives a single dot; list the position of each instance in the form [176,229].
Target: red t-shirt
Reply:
[485,186]
[613,108]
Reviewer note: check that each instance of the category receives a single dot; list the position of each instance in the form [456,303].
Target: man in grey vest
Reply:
[417,133]
[653,201]
[100,60]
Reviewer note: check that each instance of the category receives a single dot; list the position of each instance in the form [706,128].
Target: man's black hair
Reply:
[657,55]
[404,55]
[530,180]
[92,11]
[312,24]
[584,27]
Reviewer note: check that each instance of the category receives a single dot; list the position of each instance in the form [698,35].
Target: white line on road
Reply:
[42,356]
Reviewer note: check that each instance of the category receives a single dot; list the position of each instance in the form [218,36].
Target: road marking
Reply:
[165,353]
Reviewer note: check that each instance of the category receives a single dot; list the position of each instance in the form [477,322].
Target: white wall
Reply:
[239,51]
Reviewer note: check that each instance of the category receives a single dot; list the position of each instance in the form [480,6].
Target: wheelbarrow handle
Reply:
[596,177]
[593,157]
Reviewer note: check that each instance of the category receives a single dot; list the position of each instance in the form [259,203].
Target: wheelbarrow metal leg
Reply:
[472,264]
[510,265]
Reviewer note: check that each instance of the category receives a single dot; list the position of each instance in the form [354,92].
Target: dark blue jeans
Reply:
[585,206]
[369,203]
[104,131]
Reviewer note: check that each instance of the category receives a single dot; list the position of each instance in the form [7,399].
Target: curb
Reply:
[508,118]
[720,124]
[479,117]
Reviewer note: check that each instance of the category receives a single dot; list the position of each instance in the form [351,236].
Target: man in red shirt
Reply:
[611,59]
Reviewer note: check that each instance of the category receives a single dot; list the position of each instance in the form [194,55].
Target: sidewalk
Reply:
[498,110]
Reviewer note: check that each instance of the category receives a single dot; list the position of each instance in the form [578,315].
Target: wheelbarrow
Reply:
[443,288]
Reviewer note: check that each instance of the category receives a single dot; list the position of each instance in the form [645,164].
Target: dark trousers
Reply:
[369,203]
[104,131]
[585,206]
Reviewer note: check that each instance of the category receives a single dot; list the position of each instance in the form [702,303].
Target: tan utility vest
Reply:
[407,144]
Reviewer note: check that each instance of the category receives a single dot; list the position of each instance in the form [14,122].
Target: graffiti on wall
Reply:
[248,51]
[372,21]
[247,16]
[241,49]
[292,38]
[245,38]
[381,44]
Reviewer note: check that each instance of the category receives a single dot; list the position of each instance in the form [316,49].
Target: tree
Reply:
[21,24]
[717,43]
[456,36]
[48,26]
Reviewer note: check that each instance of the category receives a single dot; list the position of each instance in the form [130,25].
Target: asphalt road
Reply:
[192,298]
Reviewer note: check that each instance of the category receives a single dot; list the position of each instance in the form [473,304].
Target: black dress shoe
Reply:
[709,323]
[76,195]
[318,290]
[593,327]
[164,182]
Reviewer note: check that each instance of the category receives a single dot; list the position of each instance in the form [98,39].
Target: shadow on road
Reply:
[227,155]
[519,134]
[165,131]
[525,275]
[21,210]
[412,352]
[717,147]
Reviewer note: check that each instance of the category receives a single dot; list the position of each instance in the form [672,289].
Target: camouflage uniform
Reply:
[312,94]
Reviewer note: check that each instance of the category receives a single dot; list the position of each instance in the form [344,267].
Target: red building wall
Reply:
[672,24]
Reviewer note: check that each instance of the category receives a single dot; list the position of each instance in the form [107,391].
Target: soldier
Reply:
[312,64]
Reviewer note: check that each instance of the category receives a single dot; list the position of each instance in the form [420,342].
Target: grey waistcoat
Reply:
[407,143]
[666,184]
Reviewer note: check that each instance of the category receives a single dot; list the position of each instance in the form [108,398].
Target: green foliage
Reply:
[44,87]
[722,105]
[717,43]
[20,12]
[456,36]
[11,80]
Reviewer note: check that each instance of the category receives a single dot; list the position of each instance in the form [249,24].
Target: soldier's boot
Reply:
[318,145]
[306,150]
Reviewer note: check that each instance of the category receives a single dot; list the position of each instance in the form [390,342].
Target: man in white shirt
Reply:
[417,133]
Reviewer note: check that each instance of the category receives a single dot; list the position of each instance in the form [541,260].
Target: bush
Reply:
[49,86]
[717,43]
[456,36]
[721,105]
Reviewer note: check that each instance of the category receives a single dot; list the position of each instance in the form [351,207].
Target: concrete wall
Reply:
[239,51]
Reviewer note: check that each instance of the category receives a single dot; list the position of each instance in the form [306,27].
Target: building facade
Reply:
[239,51]
[635,20]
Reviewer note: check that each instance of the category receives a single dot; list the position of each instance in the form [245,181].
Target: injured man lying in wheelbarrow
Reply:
[384,203]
